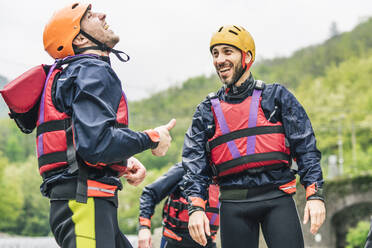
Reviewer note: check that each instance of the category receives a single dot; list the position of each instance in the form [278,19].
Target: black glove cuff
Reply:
[317,196]
[193,209]
[140,227]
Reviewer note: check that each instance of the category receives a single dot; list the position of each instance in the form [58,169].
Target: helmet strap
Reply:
[243,60]
[101,47]
[245,66]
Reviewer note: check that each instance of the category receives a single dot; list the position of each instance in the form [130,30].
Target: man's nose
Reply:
[220,59]
[101,16]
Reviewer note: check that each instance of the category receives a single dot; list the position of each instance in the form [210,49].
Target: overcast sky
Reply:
[168,40]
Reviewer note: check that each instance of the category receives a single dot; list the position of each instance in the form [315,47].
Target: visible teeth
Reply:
[106,26]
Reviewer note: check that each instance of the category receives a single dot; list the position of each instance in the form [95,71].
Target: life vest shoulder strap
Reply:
[212,95]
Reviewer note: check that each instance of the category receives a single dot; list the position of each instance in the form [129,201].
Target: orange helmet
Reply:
[62,29]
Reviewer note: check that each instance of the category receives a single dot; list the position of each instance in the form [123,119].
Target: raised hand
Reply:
[165,138]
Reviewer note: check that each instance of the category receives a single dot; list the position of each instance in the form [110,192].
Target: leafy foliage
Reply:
[3,107]
[356,237]
[331,80]
[314,61]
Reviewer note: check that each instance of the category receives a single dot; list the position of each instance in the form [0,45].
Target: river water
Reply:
[41,242]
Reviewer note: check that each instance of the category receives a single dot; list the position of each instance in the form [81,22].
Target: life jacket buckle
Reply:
[212,95]
[259,85]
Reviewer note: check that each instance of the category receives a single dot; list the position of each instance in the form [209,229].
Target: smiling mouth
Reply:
[223,72]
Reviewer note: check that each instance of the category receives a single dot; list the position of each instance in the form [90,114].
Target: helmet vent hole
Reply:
[233,32]
[75,5]
[237,28]
[60,48]
[219,30]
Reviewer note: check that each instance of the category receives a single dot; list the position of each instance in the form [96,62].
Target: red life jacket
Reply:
[55,143]
[244,139]
[176,217]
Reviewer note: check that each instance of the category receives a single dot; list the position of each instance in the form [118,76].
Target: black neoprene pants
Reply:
[90,225]
[278,217]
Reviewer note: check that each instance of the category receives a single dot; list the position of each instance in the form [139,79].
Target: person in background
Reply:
[175,211]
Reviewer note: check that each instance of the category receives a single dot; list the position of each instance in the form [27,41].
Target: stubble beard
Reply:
[112,40]
[238,72]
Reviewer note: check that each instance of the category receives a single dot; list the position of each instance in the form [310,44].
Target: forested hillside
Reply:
[3,108]
[331,80]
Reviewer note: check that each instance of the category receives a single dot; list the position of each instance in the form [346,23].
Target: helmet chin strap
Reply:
[246,67]
[101,47]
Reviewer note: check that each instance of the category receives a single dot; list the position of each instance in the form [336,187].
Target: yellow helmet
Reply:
[235,36]
[62,29]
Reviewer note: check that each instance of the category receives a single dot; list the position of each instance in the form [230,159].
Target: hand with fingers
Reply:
[135,172]
[315,210]
[144,238]
[199,227]
[165,138]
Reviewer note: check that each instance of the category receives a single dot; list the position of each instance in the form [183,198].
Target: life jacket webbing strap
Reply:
[51,158]
[183,224]
[178,223]
[70,152]
[252,121]
[120,125]
[82,184]
[224,127]
[212,210]
[181,206]
[177,205]
[258,157]
[244,133]
[50,126]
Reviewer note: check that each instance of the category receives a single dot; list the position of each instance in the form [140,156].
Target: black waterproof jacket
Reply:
[89,91]
[154,193]
[282,106]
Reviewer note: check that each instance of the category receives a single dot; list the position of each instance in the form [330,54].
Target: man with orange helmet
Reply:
[245,137]
[84,144]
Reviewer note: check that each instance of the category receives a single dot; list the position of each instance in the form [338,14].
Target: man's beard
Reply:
[113,40]
[237,74]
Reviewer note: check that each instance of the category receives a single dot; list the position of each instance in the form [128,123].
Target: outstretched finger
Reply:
[306,214]
[171,124]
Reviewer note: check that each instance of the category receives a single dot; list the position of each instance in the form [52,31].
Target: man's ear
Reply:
[248,57]
[80,40]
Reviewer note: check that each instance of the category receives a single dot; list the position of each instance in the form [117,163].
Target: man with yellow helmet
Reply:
[244,137]
[84,144]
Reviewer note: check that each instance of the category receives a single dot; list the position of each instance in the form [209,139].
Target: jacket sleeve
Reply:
[154,193]
[194,156]
[94,104]
[301,137]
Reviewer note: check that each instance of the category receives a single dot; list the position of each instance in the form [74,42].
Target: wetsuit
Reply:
[90,93]
[263,197]
[170,183]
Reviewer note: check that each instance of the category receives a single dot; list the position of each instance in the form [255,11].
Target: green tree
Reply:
[356,237]
[11,195]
